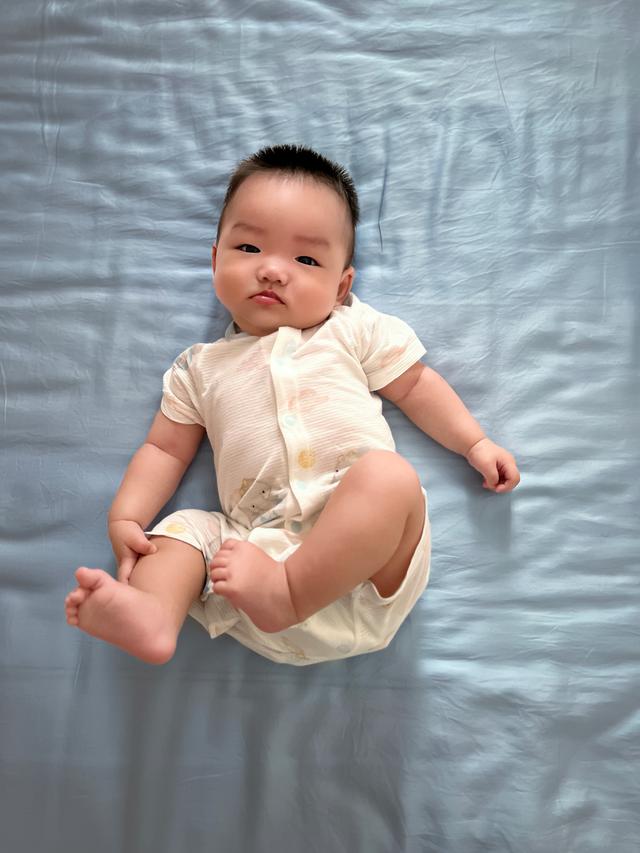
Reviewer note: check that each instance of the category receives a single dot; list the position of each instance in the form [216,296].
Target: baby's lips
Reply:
[269,294]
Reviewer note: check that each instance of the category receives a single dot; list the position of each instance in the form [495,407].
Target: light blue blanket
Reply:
[495,149]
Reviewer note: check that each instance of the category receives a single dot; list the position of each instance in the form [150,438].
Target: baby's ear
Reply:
[214,253]
[344,288]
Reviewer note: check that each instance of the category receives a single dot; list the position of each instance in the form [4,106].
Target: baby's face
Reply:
[281,252]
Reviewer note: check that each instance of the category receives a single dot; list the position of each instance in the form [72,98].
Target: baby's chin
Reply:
[298,321]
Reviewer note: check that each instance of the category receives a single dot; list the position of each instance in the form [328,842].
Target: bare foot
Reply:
[122,615]
[255,584]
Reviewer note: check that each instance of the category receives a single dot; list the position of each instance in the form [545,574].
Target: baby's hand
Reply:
[129,543]
[497,466]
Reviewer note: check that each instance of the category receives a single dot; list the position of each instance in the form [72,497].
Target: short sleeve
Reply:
[387,346]
[180,397]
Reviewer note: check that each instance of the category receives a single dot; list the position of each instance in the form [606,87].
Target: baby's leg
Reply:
[144,616]
[369,529]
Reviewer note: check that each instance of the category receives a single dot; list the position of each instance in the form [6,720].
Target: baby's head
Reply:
[285,242]
[296,161]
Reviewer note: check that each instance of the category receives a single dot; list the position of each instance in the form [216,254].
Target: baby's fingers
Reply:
[491,477]
[142,545]
[509,477]
[125,568]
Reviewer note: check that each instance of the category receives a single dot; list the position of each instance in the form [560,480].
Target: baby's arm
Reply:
[430,402]
[149,482]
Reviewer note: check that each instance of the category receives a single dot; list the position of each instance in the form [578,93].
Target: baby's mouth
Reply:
[267,297]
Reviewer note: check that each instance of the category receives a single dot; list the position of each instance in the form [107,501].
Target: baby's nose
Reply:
[272,270]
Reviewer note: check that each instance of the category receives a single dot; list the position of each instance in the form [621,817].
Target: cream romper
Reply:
[286,415]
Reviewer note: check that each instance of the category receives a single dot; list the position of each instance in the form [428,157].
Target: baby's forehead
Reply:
[260,187]
[261,183]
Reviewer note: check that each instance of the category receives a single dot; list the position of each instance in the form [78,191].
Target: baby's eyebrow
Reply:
[299,238]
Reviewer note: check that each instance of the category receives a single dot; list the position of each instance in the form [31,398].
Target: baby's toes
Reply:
[78,596]
[72,604]
[71,612]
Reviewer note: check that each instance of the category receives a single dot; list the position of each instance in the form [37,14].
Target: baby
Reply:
[323,545]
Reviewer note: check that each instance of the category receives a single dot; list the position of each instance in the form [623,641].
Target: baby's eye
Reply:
[305,259]
[248,248]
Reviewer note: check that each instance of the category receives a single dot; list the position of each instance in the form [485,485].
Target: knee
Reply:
[388,469]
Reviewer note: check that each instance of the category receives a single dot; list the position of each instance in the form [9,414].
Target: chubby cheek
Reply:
[235,271]
[225,275]
[222,289]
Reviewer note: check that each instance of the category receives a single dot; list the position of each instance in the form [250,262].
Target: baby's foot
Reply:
[255,584]
[122,615]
